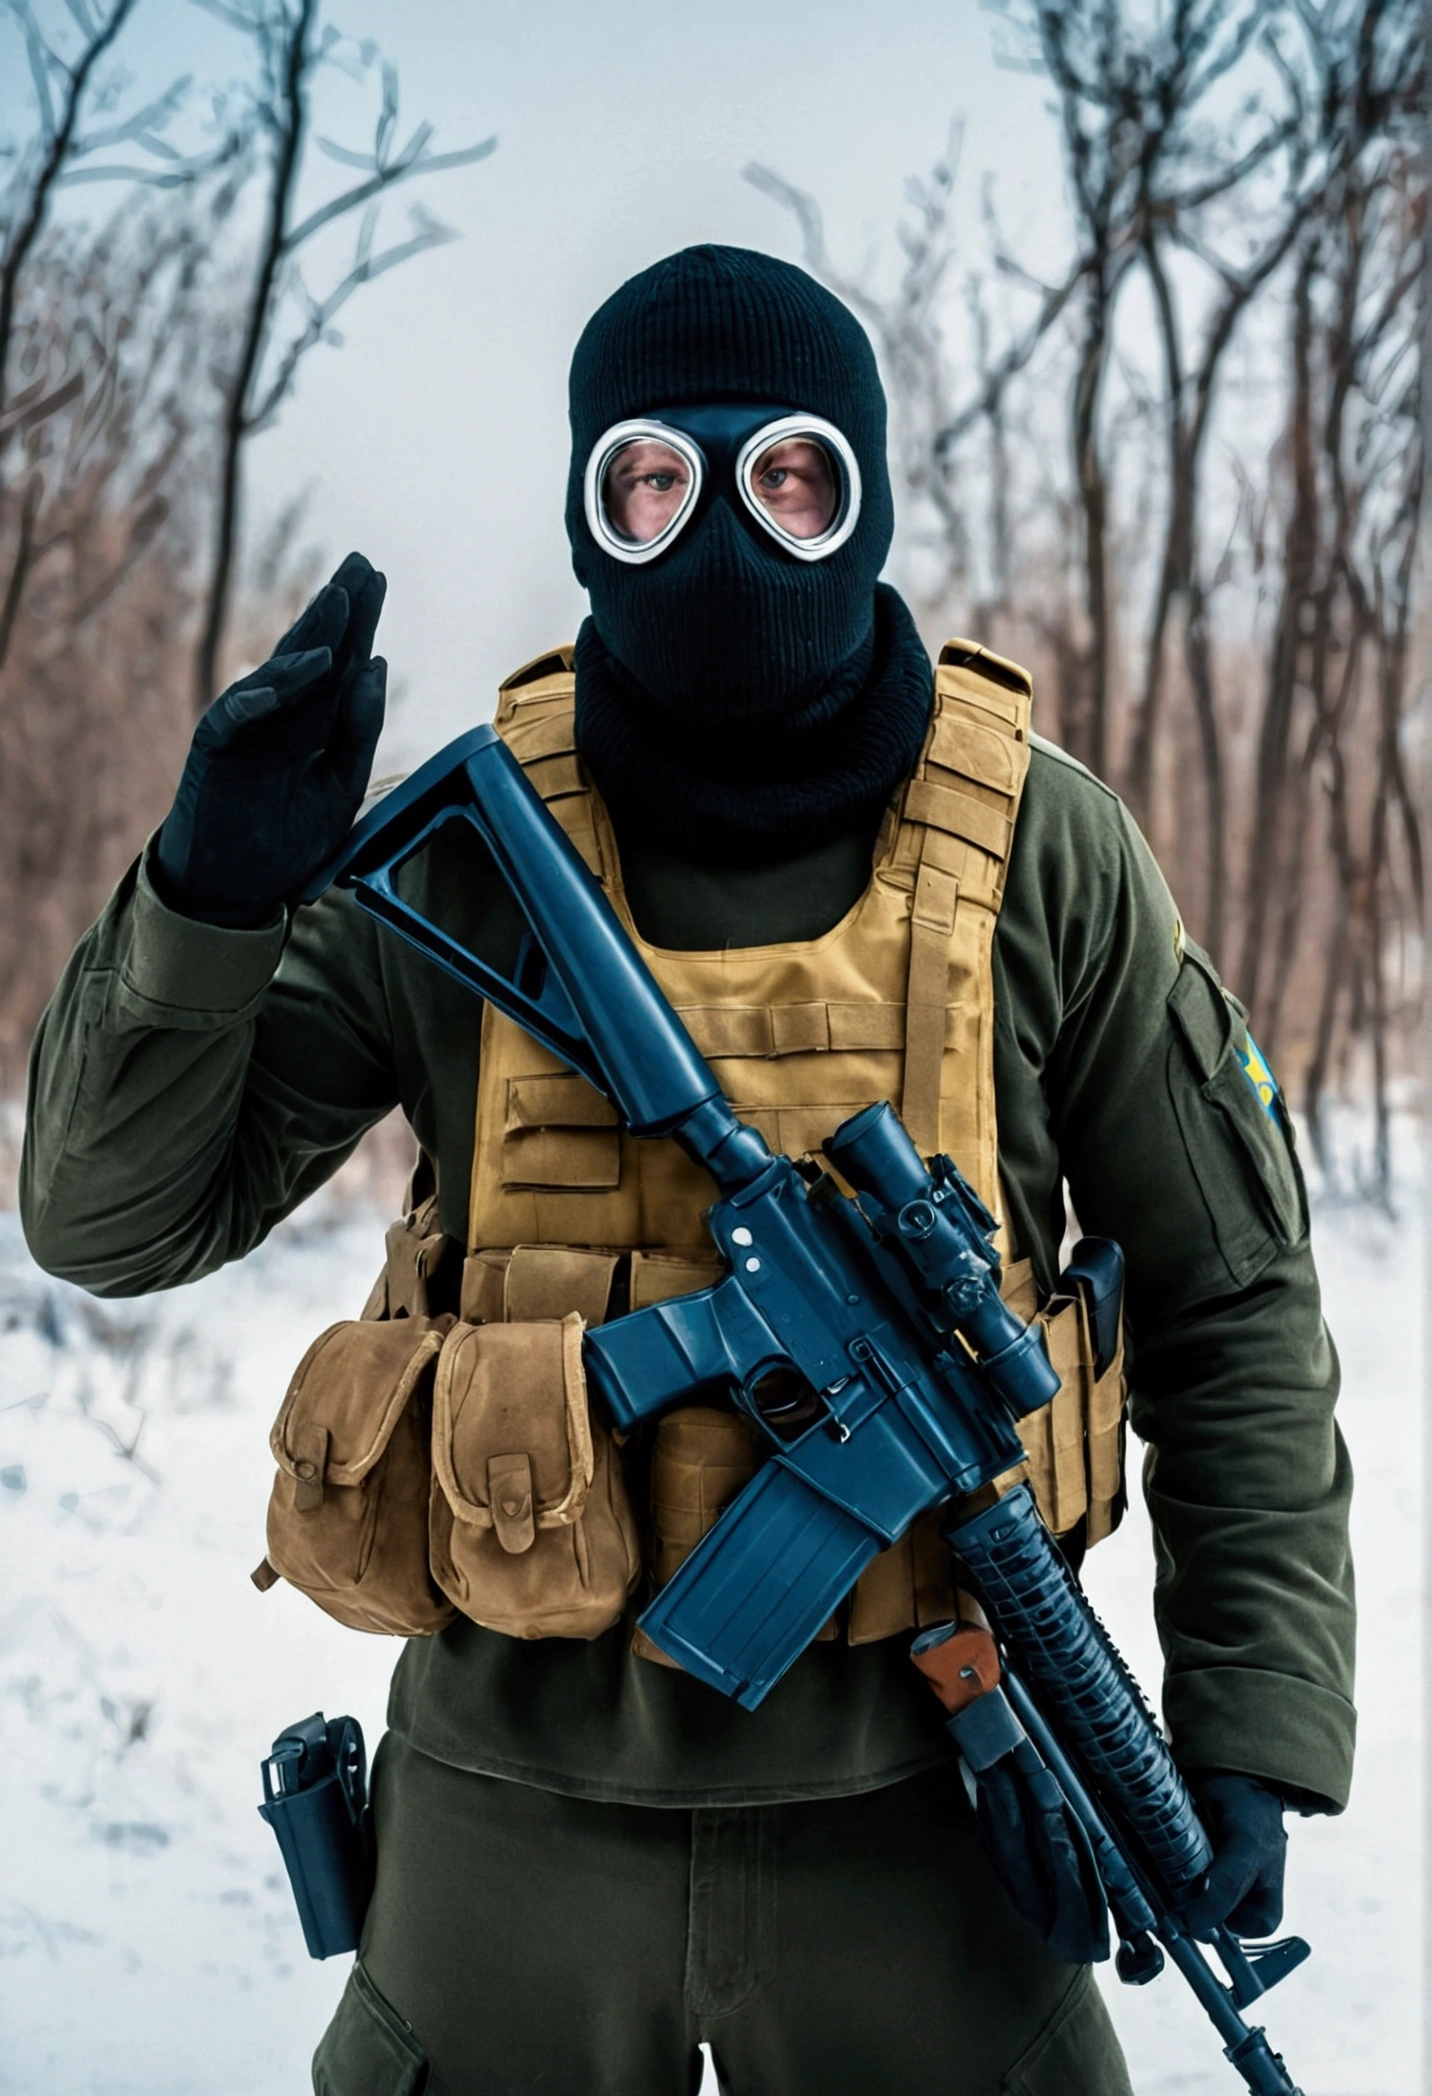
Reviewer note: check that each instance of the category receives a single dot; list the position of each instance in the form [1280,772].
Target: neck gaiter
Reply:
[766,789]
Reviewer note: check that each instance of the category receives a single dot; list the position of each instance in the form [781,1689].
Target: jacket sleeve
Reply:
[190,1085]
[1168,1147]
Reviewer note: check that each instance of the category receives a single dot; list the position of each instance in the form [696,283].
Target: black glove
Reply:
[1244,1885]
[1043,1858]
[279,763]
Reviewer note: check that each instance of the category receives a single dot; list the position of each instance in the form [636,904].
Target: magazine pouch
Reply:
[348,1517]
[531,1532]
[1074,1447]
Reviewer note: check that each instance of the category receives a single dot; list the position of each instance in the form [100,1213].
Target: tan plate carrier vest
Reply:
[895,1002]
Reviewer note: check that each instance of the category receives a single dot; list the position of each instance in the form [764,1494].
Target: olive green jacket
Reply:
[190,1086]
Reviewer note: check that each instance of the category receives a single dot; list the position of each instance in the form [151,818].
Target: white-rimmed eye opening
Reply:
[640,486]
[799,479]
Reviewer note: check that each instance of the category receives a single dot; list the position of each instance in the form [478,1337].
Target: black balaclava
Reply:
[735,703]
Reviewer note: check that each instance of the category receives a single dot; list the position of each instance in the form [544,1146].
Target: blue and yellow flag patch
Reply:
[1256,1070]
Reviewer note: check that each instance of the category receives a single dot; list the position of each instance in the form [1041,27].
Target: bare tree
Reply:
[111,452]
[290,51]
[1240,161]
[1131,110]
[1333,721]
[60,90]
[1134,101]
[1169,219]
[93,691]
[934,415]
[76,120]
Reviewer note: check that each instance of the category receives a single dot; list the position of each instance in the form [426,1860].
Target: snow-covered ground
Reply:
[1349,2021]
[147,1939]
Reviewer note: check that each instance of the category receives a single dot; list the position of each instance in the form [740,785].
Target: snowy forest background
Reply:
[1154,341]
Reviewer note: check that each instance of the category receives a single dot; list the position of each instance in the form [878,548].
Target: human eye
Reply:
[794,483]
[645,487]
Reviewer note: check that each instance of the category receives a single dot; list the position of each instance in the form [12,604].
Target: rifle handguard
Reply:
[1036,1608]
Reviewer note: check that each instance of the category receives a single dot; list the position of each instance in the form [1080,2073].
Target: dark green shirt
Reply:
[190,1086]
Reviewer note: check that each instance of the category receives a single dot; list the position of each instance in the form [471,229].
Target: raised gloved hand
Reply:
[279,763]
[1244,1886]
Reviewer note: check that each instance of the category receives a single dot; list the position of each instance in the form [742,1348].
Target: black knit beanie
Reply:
[726,632]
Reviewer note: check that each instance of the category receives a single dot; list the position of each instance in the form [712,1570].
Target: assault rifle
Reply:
[866,1338]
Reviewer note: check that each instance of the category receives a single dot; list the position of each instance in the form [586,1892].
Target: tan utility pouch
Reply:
[531,1532]
[348,1516]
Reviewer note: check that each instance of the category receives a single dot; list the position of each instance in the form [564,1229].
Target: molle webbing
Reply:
[896,1001]
[956,825]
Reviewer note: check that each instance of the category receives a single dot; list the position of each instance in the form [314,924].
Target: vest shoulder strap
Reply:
[550,672]
[951,838]
[967,783]
[536,718]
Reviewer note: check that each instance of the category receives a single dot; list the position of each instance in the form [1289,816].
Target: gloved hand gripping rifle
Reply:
[867,1339]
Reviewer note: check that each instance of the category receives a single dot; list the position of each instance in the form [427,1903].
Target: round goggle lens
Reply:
[796,483]
[796,475]
[641,483]
[646,486]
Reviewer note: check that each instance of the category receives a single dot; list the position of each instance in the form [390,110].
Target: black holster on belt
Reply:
[316,1801]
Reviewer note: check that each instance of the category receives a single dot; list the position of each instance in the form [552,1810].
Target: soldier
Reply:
[855,880]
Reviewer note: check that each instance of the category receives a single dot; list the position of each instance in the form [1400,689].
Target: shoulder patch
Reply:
[1259,1075]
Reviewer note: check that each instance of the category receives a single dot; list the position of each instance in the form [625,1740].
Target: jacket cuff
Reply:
[1292,1734]
[179,965]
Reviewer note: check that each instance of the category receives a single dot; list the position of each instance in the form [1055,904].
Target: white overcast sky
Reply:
[435,438]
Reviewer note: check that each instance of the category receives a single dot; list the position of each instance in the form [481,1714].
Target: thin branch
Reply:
[386,178]
[146,177]
[24,415]
[60,136]
[254,392]
[323,313]
[19,566]
[1013,361]
[1228,178]
[142,124]
[807,214]
[288,128]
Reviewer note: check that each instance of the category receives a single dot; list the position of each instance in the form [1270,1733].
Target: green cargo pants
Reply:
[860,1946]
